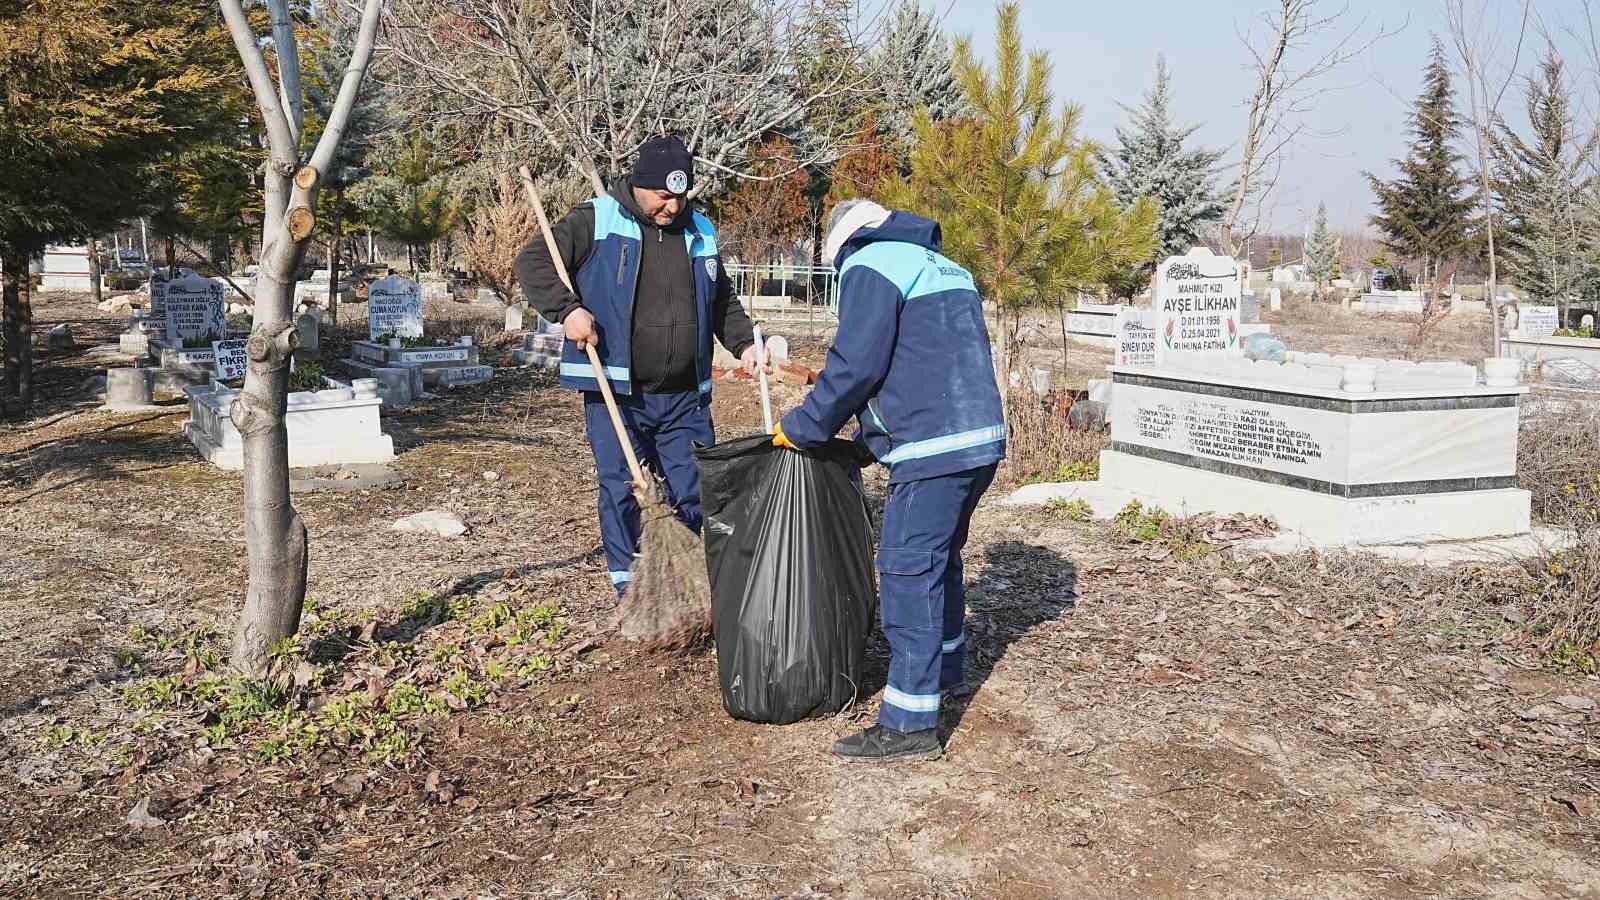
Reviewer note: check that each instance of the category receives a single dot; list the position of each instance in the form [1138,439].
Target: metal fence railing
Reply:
[787,293]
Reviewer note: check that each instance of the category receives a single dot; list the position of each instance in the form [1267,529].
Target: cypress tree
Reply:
[1426,213]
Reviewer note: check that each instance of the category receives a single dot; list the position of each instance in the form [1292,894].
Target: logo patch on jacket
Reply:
[711,267]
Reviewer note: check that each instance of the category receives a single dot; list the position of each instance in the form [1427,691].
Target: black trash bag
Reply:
[789,552]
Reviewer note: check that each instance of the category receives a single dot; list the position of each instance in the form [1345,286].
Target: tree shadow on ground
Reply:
[1012,588]
[114,452]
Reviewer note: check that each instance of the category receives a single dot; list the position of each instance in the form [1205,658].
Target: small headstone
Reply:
[230,362]
[486,297]
[195,310]
[514,314]
[1276,299]
[1587,323]
[394,306]
[1510,323]
[1197,304]
[1538,321]
[310,333]
[1249,309]
[1136,338]
[777,348]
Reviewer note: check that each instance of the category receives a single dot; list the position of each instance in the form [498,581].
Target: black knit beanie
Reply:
[664,164]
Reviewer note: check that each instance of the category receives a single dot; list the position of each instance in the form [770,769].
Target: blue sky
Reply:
[1104,52]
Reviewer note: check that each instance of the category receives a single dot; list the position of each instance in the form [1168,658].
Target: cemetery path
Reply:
[1142,726]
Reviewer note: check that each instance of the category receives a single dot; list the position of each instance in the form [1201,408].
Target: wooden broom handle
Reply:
[594,358]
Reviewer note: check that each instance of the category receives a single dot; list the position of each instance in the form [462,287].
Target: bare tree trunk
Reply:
[333,261]
[94,269]
[18,330]
[274,534]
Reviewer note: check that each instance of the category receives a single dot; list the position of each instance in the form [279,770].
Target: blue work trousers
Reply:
[920,592]
[664,429]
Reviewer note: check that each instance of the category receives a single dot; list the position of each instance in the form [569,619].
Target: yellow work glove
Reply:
[779,439]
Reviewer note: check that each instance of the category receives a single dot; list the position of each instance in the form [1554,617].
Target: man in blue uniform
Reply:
[651,295]
[911,361]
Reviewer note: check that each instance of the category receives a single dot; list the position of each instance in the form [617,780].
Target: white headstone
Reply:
[394,305]
[1510,323]
[1587,323]
[1277,300]
[1538,321]
[1197,305]
[1136,337]
[230,358]
[194,310]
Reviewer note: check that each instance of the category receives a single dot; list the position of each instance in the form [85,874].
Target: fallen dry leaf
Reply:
[139,816]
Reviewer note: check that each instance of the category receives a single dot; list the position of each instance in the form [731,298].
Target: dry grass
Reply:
[1327,327]
[1558,460]
[1042,446]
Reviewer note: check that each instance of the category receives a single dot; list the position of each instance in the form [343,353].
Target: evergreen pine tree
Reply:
[913,63]
[1323,249]
[1016,189]
[1426,213]
[1152,162]
[1550,230]
[97,97]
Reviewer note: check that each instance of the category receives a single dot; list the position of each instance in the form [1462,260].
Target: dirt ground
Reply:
[1143,725]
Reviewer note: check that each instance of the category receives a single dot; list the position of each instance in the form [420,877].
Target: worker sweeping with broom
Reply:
[647,296]
[911,360]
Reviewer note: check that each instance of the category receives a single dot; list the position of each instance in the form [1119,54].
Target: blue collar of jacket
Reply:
[900,226]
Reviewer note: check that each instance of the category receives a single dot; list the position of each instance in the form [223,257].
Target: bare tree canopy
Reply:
[1294,46]
[594,80]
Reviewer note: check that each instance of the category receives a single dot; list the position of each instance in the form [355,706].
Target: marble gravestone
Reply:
[1136,338]
[1342,451]
[1538,321]
[194,310]
[230,361]
[1197,301]
[394,306]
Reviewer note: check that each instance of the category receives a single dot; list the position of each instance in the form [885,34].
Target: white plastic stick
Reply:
[761,368]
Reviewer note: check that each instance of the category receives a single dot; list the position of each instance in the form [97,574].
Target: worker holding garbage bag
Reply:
[911,361]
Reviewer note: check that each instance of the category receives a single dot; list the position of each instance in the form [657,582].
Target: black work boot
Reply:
[880,743]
